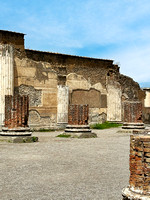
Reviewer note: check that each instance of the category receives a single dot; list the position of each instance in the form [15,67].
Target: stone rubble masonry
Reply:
[16,111]
[132,112]
[140,163]
[78,114]
[12,38]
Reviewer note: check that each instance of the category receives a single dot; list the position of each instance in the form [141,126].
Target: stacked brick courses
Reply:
[78,114]
[16,111]
[132,112]
[140,164]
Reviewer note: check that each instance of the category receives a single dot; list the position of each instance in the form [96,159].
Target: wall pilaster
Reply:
[6,77]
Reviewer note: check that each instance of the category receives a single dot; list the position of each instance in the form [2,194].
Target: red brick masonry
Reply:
[132,112]
[16,111]
[78,114]
[140,164]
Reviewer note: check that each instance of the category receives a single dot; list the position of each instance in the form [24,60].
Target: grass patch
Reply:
[105,125]
[34,139]
[43,130]
[64,135]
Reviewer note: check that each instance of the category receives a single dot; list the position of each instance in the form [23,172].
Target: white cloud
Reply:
[134,62]
[69,26]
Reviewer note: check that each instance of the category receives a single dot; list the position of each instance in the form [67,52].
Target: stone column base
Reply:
[61,125]
[19,131]
[78,129]
[133,126]
[81,131]
[18,139]
[130,195]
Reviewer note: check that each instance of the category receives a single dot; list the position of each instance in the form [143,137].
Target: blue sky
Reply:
[108,29]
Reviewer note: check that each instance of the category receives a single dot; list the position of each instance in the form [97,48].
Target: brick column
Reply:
[132,115]
[139,182]
[78,114]
[16,115]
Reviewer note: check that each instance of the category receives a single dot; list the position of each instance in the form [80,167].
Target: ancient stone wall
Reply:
[45,77]
[91,97]
[130,89]
[12,38]
[40,74]
[96,82]
[91,69]
[83,92]
[38,80]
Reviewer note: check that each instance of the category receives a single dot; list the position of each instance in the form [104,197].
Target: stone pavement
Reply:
[65,168]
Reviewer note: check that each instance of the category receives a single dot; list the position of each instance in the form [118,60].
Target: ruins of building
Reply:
[53,81]
[146,107]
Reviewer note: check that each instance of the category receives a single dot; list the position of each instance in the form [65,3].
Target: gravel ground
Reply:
[65,168]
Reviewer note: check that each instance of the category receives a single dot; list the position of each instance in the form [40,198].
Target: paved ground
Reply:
[65,169]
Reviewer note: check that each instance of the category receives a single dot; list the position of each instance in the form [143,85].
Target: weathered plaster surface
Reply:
[6,77]
[114,105]
[147,99]
[62,105]
[39,81]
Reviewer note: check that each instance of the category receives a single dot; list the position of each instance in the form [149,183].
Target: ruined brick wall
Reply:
[38,80]
[130,88]
[13,38]
[132,112]
[39,73]
[140,163]
[16,111]
[66,64]
[44,71]
[78,114]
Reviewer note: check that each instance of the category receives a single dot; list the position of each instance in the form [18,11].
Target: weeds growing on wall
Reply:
[105,125]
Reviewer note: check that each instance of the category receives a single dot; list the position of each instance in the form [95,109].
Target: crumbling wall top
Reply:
[13,38]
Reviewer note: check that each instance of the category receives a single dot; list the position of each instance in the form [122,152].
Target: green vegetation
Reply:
[105,125]
[44,130]
[64,135]
[34,139]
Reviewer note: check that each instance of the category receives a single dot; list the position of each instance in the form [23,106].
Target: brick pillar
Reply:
[16,111]
[16,115]
[78,114]
[139,182]
[132,118]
